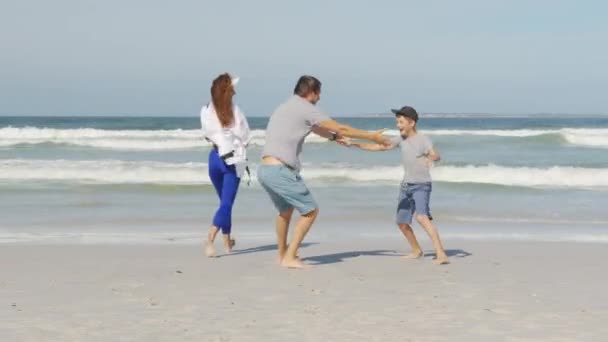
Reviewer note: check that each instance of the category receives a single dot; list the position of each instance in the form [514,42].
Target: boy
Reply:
[417,154]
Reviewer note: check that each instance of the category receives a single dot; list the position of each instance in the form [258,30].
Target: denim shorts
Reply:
[414,198]
[286,189]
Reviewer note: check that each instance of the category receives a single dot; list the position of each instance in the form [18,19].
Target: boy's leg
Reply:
[422,197]
[405,214]
[282,229]
[416,252]
[426,223]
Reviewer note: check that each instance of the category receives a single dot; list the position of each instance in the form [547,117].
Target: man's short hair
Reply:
[307,84]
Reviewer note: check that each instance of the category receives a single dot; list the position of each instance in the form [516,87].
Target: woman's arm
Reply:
[244,132]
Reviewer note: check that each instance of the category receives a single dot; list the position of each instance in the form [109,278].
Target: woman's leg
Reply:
[216,174]
[223,216]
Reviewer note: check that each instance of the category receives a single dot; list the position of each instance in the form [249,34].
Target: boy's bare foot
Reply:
[209,249]
[414,255]
[441,260]
[293,263]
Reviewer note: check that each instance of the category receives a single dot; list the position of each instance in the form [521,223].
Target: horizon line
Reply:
[362,115]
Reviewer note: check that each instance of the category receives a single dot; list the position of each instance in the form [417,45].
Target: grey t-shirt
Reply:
[415,165]
[287,128]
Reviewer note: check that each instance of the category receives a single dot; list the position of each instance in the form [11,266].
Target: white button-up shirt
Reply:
[234,138]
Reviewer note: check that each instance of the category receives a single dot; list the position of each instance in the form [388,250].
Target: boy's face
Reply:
[405,125]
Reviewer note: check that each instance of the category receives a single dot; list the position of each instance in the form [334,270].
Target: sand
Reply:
[359,290]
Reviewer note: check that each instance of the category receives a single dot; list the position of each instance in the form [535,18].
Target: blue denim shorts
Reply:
[414,198]
[286,189]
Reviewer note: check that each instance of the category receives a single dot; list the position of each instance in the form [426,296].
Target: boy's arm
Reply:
[433,155]
[392,143]
[372,147]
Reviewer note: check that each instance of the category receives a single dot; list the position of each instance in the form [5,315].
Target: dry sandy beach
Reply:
[357,291]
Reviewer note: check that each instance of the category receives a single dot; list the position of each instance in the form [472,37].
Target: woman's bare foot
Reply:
[209,249]
[414,255]
[441,260]
[230,245]
[293,263]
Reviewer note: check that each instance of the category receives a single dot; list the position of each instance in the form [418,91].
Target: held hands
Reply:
[380,138]
[383,142]
[344,141]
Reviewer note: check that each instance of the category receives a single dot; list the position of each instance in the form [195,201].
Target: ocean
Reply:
[144,180]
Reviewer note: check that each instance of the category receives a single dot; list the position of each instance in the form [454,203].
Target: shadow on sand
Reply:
[452,253]
[264,248]
[341,257]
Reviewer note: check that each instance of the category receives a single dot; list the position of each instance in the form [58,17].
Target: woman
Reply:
[226,128]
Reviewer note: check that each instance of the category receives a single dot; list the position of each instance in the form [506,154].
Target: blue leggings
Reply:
[226,185]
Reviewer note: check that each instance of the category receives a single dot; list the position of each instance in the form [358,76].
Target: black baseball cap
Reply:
[406,111]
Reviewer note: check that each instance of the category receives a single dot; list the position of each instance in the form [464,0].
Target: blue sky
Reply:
[136,57]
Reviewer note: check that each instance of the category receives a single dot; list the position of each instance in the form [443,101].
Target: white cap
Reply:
[235,80]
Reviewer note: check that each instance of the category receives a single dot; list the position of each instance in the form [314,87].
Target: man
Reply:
[279,171]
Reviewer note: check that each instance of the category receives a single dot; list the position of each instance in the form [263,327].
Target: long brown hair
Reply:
[221,96]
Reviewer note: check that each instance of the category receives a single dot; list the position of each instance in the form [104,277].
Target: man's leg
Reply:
[272,178]
[426,223]
[288,192]
[282,229]
[407,231]
[302,227]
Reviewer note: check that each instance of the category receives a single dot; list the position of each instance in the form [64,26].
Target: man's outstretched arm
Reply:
[351,132]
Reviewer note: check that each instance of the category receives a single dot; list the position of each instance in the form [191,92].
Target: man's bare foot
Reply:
[209,249]
[293,263]
[282,255]
[441,260]
[414,255]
